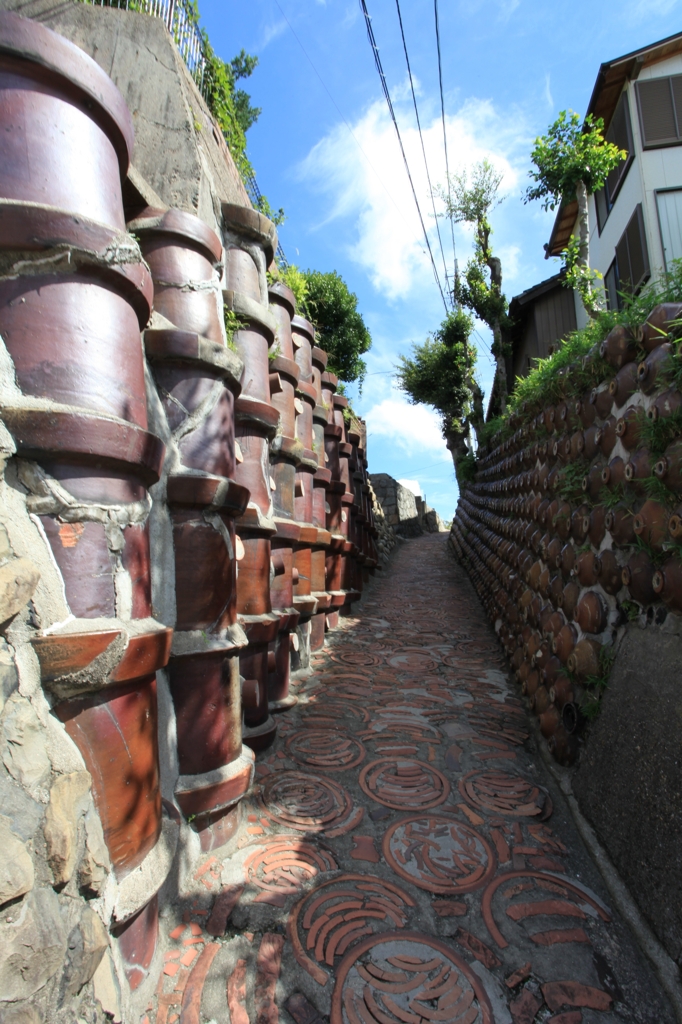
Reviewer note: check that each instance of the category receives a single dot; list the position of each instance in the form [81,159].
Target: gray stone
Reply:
[9,680]
[23,813]
[95,864]
[24,1014]
[32,945]
[86,945]
[629,779]
[18,581]
[107,989]
[5,547]
[25,756]
[69,798]
[16,866]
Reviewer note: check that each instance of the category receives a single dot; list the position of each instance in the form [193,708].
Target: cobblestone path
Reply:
[404,858]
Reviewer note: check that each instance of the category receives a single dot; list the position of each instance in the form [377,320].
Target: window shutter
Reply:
[623,264]
[619,134]
[676,84]
[657,113]
[601,203]
[632,255]
[637,248]
[611,286]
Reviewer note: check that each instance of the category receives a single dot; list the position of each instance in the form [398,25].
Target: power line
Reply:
[445,137]
[421,139]
[387,95]
[336,107]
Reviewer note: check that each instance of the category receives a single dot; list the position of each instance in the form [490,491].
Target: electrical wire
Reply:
[421,139]
[336,107]
[387,95]
[445,137]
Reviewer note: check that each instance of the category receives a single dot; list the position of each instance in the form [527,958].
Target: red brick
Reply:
[572,993]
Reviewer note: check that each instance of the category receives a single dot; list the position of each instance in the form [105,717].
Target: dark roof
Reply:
[611,78]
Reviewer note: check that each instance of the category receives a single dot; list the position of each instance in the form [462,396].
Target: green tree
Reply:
[471,202]
[440,373]
[243,66]
[572,162]
[333,309]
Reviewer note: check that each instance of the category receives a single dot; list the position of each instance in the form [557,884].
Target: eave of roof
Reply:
[611,78]
[535,292]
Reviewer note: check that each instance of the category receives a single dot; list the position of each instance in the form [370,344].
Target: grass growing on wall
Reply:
[576,367]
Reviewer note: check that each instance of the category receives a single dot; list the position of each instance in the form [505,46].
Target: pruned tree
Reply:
[440,373]
[471,201]
[573,161]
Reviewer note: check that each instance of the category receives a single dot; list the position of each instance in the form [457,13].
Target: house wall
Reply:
[651,170]
[546,320]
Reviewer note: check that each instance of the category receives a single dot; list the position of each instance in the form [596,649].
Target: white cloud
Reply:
[369,184]
[412,485]
[412,428]
[639,10]
[549,99]
[272,32]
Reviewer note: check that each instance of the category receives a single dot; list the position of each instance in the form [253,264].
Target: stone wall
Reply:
[407,514]
[570,531]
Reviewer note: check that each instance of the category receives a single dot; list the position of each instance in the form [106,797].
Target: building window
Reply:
[660,111]
[669,204]
[630,269]
[620,133]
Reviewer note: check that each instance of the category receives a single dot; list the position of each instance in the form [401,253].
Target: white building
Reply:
[636,219]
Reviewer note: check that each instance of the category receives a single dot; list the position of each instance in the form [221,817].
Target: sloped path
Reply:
[405,859]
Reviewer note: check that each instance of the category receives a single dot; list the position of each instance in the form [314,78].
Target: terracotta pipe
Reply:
[655,329]
[638,575]
[651,524]
[651,371]
[250,240]
[619,347]
[667,583]
[584,659]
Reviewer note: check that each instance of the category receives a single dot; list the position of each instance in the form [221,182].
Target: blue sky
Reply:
[325,150]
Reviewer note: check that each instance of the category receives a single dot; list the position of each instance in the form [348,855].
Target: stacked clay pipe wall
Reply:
[80,660]
[570,533]
[193,383]
[250,241]
[285,456]
[151,511]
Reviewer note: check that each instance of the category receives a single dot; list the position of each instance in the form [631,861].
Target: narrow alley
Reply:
[404,856]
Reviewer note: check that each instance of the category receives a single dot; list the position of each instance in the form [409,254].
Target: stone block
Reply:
[107,990]
[9,680]
[24,814]
[32,945]
[86,945]
[16,865]
[18,581]
[24,754]
[5,547]
[69,797]
[95,863]
[25,1014]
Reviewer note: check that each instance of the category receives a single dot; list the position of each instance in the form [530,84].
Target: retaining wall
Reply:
[570,533]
